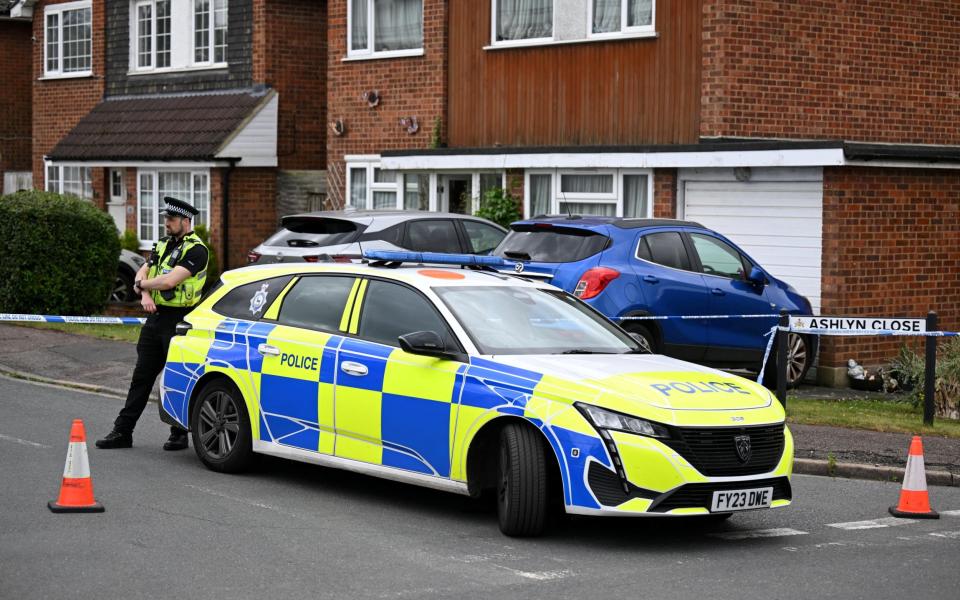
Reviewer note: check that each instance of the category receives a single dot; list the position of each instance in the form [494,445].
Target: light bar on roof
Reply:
[437,258]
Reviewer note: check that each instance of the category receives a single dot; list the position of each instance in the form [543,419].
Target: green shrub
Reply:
[59,254]
[909,368]
[130,241]
[499,206]
[213,265]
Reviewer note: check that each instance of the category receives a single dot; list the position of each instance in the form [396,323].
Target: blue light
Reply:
[437,258]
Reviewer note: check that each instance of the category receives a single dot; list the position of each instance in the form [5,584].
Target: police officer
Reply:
[170,285]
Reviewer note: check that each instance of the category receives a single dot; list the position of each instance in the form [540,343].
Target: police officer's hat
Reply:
[178,208]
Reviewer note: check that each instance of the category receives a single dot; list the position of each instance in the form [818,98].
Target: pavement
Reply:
[105,366]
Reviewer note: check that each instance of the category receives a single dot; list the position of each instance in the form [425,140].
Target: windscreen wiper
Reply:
[583,351]
[519,254]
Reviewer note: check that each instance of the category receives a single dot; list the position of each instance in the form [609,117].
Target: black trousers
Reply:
[152,348]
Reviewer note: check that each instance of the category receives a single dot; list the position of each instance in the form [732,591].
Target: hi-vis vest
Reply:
[190,289]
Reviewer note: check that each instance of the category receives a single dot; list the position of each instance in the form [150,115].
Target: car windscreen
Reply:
[550,244]
[526,320]
[313,232]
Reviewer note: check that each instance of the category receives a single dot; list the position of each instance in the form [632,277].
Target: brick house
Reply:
[823,137]
[218,102]
[15,98]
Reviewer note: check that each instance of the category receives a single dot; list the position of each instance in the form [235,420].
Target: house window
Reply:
[621,16]
[516,20]
[69,39]
[372,187]
[416,191]
[154,185]
[153,34]
[384,27]
[610,193]
[209,31]
[74,180]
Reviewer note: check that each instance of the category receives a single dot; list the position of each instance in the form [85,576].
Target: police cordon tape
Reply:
[22,318]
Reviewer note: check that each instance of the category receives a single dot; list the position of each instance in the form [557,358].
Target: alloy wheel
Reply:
[797,356]
[219,425]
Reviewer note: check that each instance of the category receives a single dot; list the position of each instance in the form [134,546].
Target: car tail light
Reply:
[253,257]
[345,258]
[311,258]
[594,281]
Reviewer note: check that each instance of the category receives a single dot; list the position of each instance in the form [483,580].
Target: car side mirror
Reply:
[757,277]
[427,343]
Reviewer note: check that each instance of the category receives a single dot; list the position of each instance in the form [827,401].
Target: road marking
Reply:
[16,440]
[873,524]
[240,500]
[539,575]
[952,535]
[758,533]
[950,513]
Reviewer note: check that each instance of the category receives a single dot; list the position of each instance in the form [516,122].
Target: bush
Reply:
[59,254]
[499,206]
[909,367]
[130,241]
[213,265]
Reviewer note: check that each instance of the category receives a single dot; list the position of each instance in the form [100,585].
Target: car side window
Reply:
[391,310]
[316,302]
[718,257]
[250,301]
[667,249]
[432,235]
[483,238]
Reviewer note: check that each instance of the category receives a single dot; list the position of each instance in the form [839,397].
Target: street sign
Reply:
[859,324]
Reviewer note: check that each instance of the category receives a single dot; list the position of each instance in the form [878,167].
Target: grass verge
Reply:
[874,415]
[124,333]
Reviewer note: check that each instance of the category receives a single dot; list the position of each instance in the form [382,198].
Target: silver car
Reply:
[342,236]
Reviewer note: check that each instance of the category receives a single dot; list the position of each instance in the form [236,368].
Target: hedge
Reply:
[58,254]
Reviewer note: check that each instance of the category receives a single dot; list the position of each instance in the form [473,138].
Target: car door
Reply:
[724,271]
[299,362]
[481,237]
[393,408]
[670,286]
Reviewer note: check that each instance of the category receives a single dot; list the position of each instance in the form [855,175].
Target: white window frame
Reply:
[59,9]
[182,38]
[211,36]
[557,196]
[369,53]
[147,244]
[47,165]
[135,35]
[494,42]
[625,31]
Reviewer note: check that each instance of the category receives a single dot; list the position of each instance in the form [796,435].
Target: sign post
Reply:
[930,371]
[782,335]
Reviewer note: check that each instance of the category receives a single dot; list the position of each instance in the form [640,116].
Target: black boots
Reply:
[115,439]
[176,441]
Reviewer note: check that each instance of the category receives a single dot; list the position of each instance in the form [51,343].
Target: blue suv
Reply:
[640,267]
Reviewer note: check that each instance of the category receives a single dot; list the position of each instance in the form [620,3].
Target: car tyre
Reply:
[123,287]
[522,490]
[221,428]
[800,354]
[649,342]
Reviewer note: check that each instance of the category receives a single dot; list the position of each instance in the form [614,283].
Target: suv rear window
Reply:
[550,244]
[312,232]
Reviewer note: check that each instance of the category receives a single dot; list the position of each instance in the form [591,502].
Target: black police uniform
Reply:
[152,347]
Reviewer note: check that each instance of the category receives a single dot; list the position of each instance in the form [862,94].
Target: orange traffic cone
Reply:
[76,491]
[914,499]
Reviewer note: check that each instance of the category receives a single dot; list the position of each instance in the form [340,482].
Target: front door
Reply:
[117,206]
[457,193]
[393,408]
[299,363]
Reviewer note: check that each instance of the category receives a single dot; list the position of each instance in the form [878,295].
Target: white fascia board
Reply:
[255,141]
[23,9]
[142,164]
[897,164]
[619,160]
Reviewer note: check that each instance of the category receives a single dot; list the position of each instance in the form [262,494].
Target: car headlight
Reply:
[613,421]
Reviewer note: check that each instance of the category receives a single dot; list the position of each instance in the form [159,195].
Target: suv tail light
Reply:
[253,257]
[311,258]
[345,258]
[594,281]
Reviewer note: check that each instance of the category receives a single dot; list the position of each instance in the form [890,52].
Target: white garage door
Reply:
[776,217]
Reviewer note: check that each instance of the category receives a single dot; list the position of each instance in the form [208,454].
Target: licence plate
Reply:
[730,500]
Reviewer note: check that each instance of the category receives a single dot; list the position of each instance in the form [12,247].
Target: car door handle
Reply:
[268,349]
[718,292]
[651,279]
[353,368]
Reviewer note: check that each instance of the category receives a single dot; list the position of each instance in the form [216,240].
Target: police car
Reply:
[468,380]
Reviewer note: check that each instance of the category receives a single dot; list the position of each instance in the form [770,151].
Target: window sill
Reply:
[166,70]
[56,77]
[381,55]
[590,40]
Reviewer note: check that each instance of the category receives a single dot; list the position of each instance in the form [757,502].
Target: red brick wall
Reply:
[665,193]
[15,97]
[891,247]
[290,54]
[411,86]
[58,104]
[252,207]
[869,70]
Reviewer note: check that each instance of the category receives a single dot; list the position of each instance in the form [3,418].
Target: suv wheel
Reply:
[643,335]
[123,287]
[799,360]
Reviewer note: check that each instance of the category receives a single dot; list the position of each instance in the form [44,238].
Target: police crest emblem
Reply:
[259,299]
